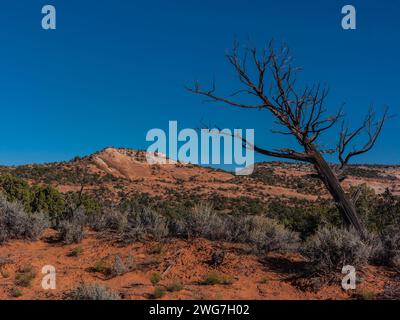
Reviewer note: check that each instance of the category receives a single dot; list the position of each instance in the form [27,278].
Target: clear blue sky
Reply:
[114,69]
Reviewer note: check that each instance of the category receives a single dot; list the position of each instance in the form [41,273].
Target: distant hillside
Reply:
[115,174]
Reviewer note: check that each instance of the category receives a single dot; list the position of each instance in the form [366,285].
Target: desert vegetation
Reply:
[308,231]
[92,292]
[28,210]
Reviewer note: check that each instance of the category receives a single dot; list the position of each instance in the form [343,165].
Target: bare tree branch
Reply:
[370,127]
[271,80]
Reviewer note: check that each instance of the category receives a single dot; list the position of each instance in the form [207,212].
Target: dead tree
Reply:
[269,83]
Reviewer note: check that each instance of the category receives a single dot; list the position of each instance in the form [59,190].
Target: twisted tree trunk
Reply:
[343,202]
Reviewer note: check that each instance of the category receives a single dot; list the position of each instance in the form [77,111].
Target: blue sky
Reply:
[115,69]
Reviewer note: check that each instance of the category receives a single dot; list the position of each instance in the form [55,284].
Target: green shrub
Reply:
[155,249]
[89,203]
[75,252]
[264,234]
[331,248]
[264,280]
[110,219]
[145,223]
[37,198]
[92,292]
[15,292]
[158,293]
[48,200]
[72,230]
[365,295]
[120,267]
[114,268]
[16,190]
[103,267]
[378,212]
[387,248]
[155,278]
[25,276]
[302,216]
[175,286]
[213,278]
[202,221]
[16,223]
[5,274]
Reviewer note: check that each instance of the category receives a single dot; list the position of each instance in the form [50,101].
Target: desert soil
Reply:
[277,276]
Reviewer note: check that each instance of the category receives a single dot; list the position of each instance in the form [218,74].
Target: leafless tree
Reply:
[268,81]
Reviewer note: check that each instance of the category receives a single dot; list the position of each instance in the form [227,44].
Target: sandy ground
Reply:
[177,261]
